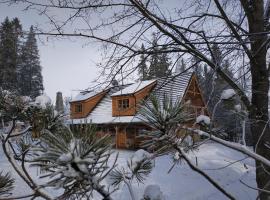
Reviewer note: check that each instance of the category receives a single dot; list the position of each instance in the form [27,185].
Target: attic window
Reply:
[78,108]
[123,103]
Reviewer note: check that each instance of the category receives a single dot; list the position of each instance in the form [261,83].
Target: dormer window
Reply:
[78,108]
[123,103]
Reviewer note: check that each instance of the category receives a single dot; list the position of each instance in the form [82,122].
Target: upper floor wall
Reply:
[127,104]
[81,109]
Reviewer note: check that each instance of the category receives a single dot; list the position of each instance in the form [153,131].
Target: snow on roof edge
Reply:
[133,88]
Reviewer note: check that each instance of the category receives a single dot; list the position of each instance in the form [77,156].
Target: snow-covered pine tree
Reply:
[10,41]
[29,72]
[213,85]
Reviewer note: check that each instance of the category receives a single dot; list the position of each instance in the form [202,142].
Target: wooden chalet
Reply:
[114,110]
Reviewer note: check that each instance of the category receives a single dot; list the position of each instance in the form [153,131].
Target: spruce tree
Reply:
[180,66]
[59,105]
[154,59]
[10,38]
[142,67]
[30,77]
[159,63]
[163,65]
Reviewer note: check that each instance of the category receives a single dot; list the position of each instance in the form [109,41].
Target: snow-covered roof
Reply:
[174,86]
[86,95]
[102,113]
[133,88]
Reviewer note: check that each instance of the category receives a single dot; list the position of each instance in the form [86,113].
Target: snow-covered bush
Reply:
[227,94]
[203,120]
[43,101]
[76,162]
[153,192]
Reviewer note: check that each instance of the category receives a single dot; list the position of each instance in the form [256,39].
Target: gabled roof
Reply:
[133,88]
[102,114]
[175,86]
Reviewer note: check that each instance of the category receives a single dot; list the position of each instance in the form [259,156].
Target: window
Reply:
[123,103]
[78,108]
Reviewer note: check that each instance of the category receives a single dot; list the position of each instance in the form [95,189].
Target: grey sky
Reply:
[68,65]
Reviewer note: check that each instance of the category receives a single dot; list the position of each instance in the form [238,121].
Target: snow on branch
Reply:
[235,146]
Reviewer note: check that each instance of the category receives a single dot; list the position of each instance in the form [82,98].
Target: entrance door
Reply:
[121,138]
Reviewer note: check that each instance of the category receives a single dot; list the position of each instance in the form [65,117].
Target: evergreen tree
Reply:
[30,77]
[180,66]
[59,105]
[216,55]
[10,38]
[163,65]
[142,67]
[159,63]
[154,59]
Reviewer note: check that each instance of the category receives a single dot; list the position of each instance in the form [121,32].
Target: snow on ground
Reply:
[182,182]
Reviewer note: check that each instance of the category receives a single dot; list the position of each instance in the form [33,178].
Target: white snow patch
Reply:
[237,108]
[133,88]
[67,157]
[176,156]
[188,140]
[227,94]
[43,101]
[87,94]
[138,157]
[203,119]
[153,192]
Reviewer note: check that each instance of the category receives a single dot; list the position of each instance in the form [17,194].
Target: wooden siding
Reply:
[134,100]
[194,95]
[116,111]
[87,106]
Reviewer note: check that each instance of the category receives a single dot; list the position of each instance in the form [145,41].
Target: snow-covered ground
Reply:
[182,182]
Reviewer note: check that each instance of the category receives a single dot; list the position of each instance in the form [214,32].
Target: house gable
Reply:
[119,102]
[81,109]
[194,95]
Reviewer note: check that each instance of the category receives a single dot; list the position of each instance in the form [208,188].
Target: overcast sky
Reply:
[67,65]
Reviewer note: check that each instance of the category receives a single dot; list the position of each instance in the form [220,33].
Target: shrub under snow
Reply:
[203,119]
[227,94]
[43,100]
[139,156]
[153,192]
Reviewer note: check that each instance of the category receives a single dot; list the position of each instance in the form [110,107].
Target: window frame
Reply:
[123,103]
[78,108]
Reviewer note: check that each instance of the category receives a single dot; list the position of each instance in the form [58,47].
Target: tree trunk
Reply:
[259,102]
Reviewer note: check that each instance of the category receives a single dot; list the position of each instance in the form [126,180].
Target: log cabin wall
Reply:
[86,106]
[118,111]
